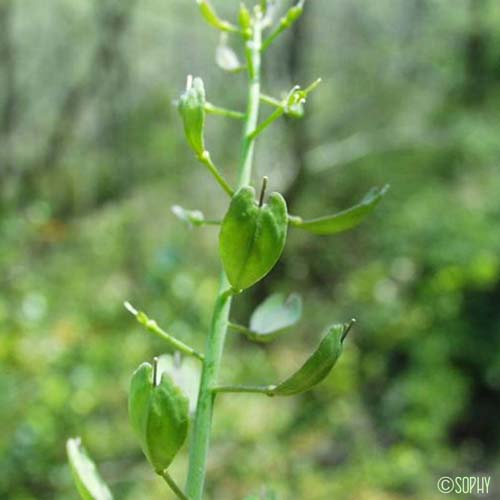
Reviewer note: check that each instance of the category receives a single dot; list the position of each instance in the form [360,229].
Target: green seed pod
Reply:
[192,109]
[252,237]
[342,221]
[317,366]
[159,416]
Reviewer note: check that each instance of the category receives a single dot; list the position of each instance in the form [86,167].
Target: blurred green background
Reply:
[92,156]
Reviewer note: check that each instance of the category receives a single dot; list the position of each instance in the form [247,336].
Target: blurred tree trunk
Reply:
[476,60]
[8,88]
[114,19]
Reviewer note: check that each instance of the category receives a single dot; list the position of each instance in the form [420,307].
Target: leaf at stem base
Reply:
[88,481]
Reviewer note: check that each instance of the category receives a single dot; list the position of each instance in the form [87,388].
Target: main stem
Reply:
[200,439]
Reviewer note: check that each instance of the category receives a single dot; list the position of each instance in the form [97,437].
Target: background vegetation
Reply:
[92,156]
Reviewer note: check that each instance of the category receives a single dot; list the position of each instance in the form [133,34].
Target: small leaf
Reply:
[192,217]
[192,109]
[88,481]
[317,366]
[226,57]
[252,237]
[159,416]
[342,221]
[274,315]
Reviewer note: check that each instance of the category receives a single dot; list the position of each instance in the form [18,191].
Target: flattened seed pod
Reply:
[159,416]
[252,237]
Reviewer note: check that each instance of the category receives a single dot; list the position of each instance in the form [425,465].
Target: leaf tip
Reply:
[347,328]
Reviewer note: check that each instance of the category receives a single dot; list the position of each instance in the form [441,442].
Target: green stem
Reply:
[229,113]
[173,485]
[239,328]
[210,222]
[295,220]
[153,327]
[270,119]
[285,22]
[271,101]
[207,161]
[275,34]
[247,148]
[200,438]
[261,389]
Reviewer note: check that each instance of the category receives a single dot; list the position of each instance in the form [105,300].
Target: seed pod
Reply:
[252,237]
[159,416]
[192,109]
[317,366]
[342,221]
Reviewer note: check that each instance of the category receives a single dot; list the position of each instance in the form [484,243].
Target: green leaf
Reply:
[317,366]
[274,315]
[88,481]
[342,221]
[159,416]
[192,217]
[192,109]
[252,237]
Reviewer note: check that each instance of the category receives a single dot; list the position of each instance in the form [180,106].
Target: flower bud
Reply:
[293,14]
[245,20]
[192,110]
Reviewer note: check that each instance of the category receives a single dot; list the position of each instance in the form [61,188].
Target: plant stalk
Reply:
[259,389]
[200,439]
[173,485]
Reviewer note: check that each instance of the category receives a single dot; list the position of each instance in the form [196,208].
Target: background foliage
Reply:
[92,156]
